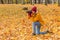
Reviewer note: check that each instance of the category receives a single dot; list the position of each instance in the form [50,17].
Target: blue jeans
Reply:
[36,28]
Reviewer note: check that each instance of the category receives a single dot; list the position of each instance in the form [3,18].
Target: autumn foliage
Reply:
[14,24]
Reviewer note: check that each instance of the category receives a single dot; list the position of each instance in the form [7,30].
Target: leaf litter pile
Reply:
[14,24]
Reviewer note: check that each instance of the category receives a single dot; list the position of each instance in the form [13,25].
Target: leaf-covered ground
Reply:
[15,26]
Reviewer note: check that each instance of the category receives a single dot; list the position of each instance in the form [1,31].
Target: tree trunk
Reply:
[58,2]
[46,2]
[22,1]
[41,1]
[49,1]
[53,1]
[10,1]
[30,1]
[6,1]
[1,1]
[19,1]
[35,1]
[38,1]
[16,1]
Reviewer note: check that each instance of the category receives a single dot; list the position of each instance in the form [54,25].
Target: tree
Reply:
[35,1]
[16,1]
[38,1]
[30,1]
[10,1]
[46,2]
[58,2]
[19,1]
[22,1]
[1,2]
[49,1]
[41,1]
[6,1]
[52,1]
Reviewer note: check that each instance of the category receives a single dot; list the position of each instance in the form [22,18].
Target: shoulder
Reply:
[38,14]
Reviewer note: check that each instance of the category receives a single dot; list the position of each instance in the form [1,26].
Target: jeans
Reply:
[36,28]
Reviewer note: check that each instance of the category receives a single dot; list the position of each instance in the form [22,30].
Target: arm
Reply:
[41,20]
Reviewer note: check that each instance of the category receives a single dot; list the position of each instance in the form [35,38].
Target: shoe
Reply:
[33,34]
[49,32]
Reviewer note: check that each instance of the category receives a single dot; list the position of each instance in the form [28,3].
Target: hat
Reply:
[34,8]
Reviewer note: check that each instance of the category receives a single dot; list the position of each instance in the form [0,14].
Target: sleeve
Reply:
[41,20]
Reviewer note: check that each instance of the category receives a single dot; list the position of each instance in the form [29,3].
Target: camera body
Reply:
[29,13]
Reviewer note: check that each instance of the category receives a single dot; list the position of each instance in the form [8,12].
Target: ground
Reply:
[14,24]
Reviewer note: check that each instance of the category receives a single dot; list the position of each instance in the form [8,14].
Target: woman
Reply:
[36,21]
